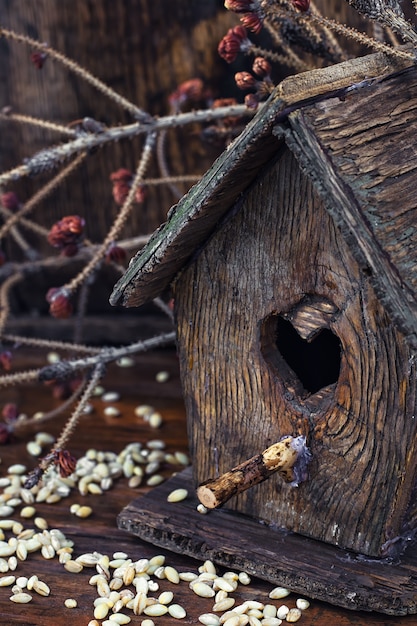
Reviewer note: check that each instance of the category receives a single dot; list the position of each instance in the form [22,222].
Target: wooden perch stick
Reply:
[280,457]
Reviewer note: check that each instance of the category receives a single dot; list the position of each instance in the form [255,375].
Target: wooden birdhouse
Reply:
[293,265]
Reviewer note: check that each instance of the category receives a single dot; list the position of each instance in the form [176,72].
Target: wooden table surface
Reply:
[136,385]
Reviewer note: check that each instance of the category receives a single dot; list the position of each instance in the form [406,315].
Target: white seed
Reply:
[177,611]
[73,566]
[153,585]
[111,411]
[203,590]
[162,377]
[223,605]
[244,578]
[84,511]
[293,615]
[41,588]
[12,563]
[44,439]
[48,552]
[172,575]
[21,598]
[188,576]
[233,620]
[17,468]
[6,549]
[155,420]
[94,489]
[4,566]
[41,523]
[224,585]
[27,512]
[143,410]
[302,604]
[271,621]
[17,528]
[139,603]
[93,622]
[279,592]
[156,444]
[202,509]
[21,551]
[110,396]
[71,603]
[155,480]
[148,622]
[31,581]
[7,524]
[155,610]
[6,510]
[209,619]
[6,581]
[129,575]
[282,611]
[177,495]
[270,610]
[125,361]
[166,597]
[101,610]
[120,618]
[33,448]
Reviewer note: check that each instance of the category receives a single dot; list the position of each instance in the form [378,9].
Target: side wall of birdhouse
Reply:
[272,282]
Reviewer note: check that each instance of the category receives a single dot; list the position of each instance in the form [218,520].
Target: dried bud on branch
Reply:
[235,41]
[10,201]
[60,305]
[66,233]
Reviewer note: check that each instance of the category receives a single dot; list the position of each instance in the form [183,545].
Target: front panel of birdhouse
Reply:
[280,334]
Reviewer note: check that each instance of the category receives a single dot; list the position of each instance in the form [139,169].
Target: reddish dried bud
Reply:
[6,359]
[252,101]
[4,434]
[189,92]
[122,175]
[120,192]
[233,42]
[10,201]
[10,412]
[301,5]
[60,305]
[252,21]
[66,231]
[261,67]
[244,80]
[116,254]
[65,461]
[38,59]
[141,193]
[239,6]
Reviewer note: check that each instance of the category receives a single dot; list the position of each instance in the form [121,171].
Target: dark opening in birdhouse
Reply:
[316,362]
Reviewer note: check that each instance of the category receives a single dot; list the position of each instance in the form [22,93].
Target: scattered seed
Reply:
[41,588]
[33,448]
[17,468]
[6,510]
[209,619]
[279,592]
[223,605]
[155,610]
[21,598]
[177,495]
[71,603]
[84,511]
[111,411]
[203,590]
[282,611]
[73,566]
[177,611]
[148,622]
[302,604]
[154,480]
[110,396]
[27,512]
[155,420]
[101,610]
[6,581]
[125,361]
[293,615]
[202,509]
[120,618]
[41,523]
[162,377]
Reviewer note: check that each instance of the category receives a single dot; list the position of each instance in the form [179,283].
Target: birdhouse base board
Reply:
[304,565]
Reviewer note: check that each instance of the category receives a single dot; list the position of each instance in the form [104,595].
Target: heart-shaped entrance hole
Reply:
[316,363]
[300,347]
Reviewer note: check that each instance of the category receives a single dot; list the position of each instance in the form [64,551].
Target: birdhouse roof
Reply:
[352,128]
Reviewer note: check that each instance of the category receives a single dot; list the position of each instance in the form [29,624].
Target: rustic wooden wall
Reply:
[279,249]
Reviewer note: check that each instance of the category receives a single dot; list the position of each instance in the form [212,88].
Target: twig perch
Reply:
[281,457]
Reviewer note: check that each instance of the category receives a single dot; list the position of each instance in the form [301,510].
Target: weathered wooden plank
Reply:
[303,565]
[361,154]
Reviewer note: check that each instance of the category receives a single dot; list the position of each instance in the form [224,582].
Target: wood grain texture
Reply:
[281,247]
[306,566]
[361,155]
